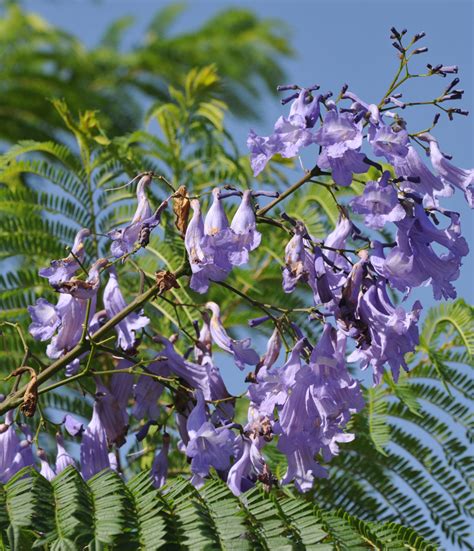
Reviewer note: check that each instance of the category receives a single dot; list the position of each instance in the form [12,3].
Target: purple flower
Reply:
[45,320]
[208,446]
[73,426]
[46,469]
[414,261]
[302,467]
[247,467]
[341,140]
[147,392]
[217,390]
[346,310]
[63,459]
[272,352]
[159,468]
[390,332]
[423,181]
[388,143]
[81,289]
[299,262]
[143,222]
[124,239]
[194,374]
[240,349]
[72,314]
[208,245]
[113,417]
[308,405]
[244,226]
[64,269]
[9,448]
[450,174]
[274,385]
[379,203]
[121,384]
[94,448]
[289,135]
[115,303]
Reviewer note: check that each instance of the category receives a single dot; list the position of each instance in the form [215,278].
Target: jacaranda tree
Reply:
[184,256]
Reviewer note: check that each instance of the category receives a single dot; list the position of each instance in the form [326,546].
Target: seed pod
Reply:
[181,206]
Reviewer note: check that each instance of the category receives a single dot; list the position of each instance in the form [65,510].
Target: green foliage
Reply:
[105,513]
[39,62]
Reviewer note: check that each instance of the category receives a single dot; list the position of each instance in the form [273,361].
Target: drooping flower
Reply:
[124,240]
[208,245]
[388,142]
[63,458]
[414,261]
[113,417]
[63,269]
[208,446]
[390,332]
[289,135]
[148,390]
[81,289]
[9,447]
[247,466]
[449,173]
[273,349]
[64,323]
[299,263]
[94,448]
[159,468]
[121,384]
[341,140]
[46,469]
[72,313]
[419,179]
[274,384]
[217,390]
[240,349]
[244,226]
[115,303]
[173,363]
[45,320]
[379,203]
[73,426]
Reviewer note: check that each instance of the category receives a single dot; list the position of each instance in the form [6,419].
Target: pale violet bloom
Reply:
[63,269]
[244,226]
[240,349]
[208,446]
[341,140]
[94,447]
[159,468]
[379,203]
[63,458]
[289,134]
[46,469]
[450,174]
[115,303]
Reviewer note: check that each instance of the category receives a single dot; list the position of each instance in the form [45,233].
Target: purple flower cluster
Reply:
[304,401]
[214,246]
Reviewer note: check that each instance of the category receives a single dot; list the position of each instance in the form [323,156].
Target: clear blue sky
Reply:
[334,42]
